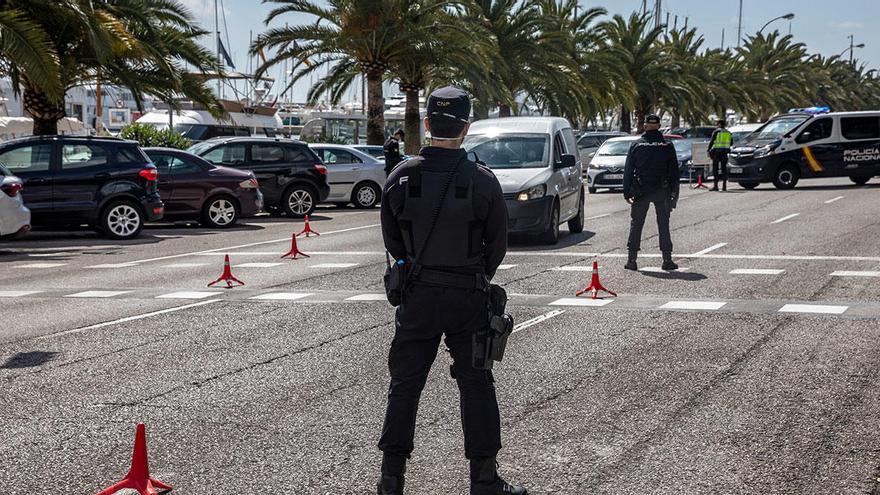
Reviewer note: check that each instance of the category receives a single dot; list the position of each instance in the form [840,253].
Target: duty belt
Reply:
[440,278]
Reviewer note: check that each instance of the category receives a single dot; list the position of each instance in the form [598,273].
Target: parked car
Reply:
[292,178]
[537,163]
[606,168]
[589,142]
[354,176]
[105,183]
[15,217]
[374,150]
[193,188]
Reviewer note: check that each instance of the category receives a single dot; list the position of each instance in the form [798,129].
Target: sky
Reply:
[823,25]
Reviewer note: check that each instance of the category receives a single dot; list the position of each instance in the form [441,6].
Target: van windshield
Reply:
[510,150]
[615,148]
[778,127]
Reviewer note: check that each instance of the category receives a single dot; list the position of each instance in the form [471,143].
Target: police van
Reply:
[808,143]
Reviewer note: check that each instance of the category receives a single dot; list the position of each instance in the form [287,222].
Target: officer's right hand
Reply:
[629,200]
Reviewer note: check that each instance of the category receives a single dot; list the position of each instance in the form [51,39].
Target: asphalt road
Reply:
[753,370]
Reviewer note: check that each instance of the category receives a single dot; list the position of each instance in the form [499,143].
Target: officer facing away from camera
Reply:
[445,215]
[719,148]
[391,150]
[651,176]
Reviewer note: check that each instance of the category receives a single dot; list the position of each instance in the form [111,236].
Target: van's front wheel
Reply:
[786,176]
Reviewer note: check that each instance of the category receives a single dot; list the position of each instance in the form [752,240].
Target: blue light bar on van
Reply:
[811,110]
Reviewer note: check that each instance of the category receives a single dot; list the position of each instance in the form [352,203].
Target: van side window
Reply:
[860,127]
[819,129]
[558,147]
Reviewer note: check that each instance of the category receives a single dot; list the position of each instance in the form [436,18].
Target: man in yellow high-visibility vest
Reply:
[719,148]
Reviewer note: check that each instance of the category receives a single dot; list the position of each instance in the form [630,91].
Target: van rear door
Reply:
[860,146]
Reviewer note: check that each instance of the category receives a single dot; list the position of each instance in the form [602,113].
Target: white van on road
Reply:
[536,161]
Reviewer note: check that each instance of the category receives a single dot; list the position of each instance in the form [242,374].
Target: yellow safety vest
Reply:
[723,140]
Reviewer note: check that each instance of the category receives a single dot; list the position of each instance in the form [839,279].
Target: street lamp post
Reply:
[788,16]
[851,49]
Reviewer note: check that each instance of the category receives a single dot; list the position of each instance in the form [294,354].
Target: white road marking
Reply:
[757,271]
[40,265]
[813,308]
[367,297]
[696,305]
[18,293]
[506,267]
[574,268]
[244,253]
[537,319]
[99,293]
[113,265]
[709,249]
[334,265]
[787,217]
[576,301]
[282,296]
[184,265]
[844,273]
[257,265]
[657,269]
[833,200]
[189,295]
[128,319]
[772,257]
[598,216]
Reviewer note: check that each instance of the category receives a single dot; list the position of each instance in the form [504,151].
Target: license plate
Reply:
[612,176]
[736,170]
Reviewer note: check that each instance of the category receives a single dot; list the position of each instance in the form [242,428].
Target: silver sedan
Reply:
[354,176]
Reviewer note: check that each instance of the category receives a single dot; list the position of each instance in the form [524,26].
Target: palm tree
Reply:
[140,44]
[24,47]
[685,95]
[782,64]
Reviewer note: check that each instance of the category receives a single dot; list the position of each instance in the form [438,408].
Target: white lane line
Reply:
[833,200]
[709,249]
[241,246]
[787,217]
[41,265]
[574,268]
[282,296]
[257,265]
[813,308]
[367,297]
[127,319]
[695,305]
[113,265]
[189,295]
[184,265]
[537,319]
[598,216]
[506,267]
[243,253]
[844,273]
[334,265]
[18,293]
[757,271]
[575,301]
[99,293]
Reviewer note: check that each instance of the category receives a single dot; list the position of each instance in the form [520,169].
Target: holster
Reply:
[395,282]
[490,342]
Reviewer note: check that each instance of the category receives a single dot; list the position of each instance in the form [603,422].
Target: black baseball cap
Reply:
[449,102]
[652,119]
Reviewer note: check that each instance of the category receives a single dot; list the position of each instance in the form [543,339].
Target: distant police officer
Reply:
[446,296]
[391,149]
[651,176]
[719,148]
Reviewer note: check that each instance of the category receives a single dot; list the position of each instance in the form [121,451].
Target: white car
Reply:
[15,217]
[353,176]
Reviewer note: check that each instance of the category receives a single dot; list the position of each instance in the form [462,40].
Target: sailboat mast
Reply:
[217,39]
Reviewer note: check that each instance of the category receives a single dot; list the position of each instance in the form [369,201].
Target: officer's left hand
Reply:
[629,200]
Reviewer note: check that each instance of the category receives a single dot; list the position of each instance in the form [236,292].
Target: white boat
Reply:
[197,124]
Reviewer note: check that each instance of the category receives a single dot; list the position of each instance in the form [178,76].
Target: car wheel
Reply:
[551,235]
[365,195]
[220,212]
[860,181]
[592,190]
[299,201]
[748,185]
[786,177]
[122,220]
[576,224]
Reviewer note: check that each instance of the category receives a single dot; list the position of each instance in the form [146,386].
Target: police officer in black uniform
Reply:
[447,296]
[651,176]
[391,149]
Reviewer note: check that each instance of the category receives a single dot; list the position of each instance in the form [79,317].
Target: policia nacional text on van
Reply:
[809,143]
[444,221]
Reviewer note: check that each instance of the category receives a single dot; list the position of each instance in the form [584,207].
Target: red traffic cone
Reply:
[700,184]
[595,285]
[227,276]
[138,477]
[307,230]
[294,250]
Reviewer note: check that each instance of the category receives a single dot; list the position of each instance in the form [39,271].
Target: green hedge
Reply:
[148,136]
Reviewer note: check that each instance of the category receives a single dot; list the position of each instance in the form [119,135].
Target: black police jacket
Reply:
[391,149]
[471,243]
[651,164]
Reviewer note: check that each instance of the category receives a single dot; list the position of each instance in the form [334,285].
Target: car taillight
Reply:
[12,189]
[149,174]
[249,184]
[321,169]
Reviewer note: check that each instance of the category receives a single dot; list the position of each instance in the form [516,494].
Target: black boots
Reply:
[631,263]
[392,480]
[485,479]
[668,264]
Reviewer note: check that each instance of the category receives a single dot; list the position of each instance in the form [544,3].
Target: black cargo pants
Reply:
[425,316]
[660,199]
[719,166]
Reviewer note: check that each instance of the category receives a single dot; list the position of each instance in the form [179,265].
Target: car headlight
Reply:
[766,150]
[532,193]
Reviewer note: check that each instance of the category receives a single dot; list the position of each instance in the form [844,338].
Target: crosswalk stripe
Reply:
[189,295]
[257,265]
[99,293]
[844,273]
[367,297]
[813,308]
[184,265]
[334,265]
[40,265]
[18,293]
[696,305]
[282,296]
[113,265]
[756,271]
[574,301]
[657,269]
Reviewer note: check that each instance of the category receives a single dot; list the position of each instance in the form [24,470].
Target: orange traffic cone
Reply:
[294,250]
[595,285]
[307,230]
[138,477]
[227,276]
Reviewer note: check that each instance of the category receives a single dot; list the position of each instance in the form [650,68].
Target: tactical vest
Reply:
[457,240]
[723,140]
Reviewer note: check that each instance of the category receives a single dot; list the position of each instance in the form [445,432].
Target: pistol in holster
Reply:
[490,341]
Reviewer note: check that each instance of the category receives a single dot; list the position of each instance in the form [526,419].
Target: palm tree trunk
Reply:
[375,109]
[640,119]
[625,120]
[411,117]
[503,110]
[45,112]
[676,119]
[481,110]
